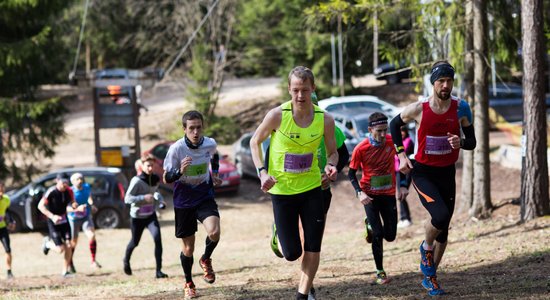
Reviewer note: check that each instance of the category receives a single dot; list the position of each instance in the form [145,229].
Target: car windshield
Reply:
[362,127]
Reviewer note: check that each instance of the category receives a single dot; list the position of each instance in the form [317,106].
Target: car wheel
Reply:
[107,218]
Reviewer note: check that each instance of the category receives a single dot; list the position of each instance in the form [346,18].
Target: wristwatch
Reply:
[259,170]
[357,193]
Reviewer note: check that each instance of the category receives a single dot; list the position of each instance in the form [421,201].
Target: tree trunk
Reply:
[467,191]
[481,206]
[534,184]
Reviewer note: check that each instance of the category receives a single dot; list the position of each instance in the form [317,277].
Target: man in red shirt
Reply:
[440,120]
[376,191]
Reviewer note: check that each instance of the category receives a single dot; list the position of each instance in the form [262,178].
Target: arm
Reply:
[215,162]
[270,123]
[412,112]
[363,197]
[343,157]
[43,208]
[131,196]
[465,118]
[330,144]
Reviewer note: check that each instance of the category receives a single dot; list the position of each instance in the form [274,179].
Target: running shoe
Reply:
[206,265]
[161,275]
[427,265]
[45,248]
[95,265]
[71,268]
[189,291]
[382,278]
[311,295]
[67,275]
[430,284]
[274,243]
[127,269]
[368,232]
[404,223]
[9,274]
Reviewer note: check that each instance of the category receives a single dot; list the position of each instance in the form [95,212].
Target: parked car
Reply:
[243,155]
[389,72]
[231,178]
[108,188]
[359,101]
[356,121]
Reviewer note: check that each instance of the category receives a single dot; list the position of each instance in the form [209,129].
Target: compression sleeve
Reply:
[172,176]
[343,157]
[395,129]
[353,178]
[215,161]
[469,141]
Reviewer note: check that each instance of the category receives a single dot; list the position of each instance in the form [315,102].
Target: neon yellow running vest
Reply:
[293,153]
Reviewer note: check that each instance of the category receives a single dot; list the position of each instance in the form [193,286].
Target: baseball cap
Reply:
[63,177]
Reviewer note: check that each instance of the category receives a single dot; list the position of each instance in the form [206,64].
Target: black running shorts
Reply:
[186,218]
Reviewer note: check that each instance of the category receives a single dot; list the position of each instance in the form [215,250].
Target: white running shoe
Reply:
[404,224]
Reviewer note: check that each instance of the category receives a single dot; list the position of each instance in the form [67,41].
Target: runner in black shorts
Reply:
[54,206]
[6,223]
[294,178]
[187,164]
[441,120]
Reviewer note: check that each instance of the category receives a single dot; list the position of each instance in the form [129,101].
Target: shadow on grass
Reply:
[518,277]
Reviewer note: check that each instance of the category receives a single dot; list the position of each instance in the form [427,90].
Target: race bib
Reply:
[437,145]
[63,220]
[383,182]
[80,214]
[146,210]
[298,163]
[196,170]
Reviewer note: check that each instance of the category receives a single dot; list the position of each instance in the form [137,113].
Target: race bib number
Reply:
[63,220]
[298,163]
[437,145]
[80,214]
[145,210]
[383,182]
[196,170]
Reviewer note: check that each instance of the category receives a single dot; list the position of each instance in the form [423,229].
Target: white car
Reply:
[363,101]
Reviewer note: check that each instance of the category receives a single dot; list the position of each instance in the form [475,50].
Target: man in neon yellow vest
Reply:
[294,179]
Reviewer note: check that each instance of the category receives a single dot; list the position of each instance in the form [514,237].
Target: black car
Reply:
[507,100]
[391,74]
[108,188]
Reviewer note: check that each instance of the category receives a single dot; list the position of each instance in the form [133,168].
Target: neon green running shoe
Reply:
[274,242]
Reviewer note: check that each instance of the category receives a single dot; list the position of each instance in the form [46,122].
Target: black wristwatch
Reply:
[259,170]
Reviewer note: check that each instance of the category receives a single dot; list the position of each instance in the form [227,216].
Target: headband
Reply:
[443,70]
[378,122]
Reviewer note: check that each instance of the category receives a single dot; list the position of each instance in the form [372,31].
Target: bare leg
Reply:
[438,252]
[8,261]
[431,233]
[310,264]
[188,245]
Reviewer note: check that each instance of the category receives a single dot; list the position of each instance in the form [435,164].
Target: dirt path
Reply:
[486,259]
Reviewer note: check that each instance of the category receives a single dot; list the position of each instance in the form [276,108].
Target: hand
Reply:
[81,208]
[325,182]
[364,198]
[403,193]
[267,182]
[148,198]
[11,226]
[454,140]
[55,218]
[94,209]
[186,162]
[216,179]
[331,172]
[405,164]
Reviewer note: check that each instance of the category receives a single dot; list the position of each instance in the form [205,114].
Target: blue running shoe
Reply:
[427,265]
[434,289]
[274,243]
